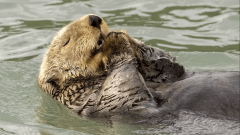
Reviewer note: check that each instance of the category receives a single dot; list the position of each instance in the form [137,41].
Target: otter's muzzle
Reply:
[95,21]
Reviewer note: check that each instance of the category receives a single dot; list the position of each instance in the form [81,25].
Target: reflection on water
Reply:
[204,35]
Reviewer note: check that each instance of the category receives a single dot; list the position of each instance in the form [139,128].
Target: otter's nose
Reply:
[95,21]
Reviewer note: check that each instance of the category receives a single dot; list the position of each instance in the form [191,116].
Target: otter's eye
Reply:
[67,42]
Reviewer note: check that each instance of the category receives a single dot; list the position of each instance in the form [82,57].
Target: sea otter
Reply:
[96,72]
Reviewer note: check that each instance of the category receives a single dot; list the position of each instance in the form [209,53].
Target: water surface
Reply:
[203,34]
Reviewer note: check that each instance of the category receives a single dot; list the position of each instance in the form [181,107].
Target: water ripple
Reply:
[203,34]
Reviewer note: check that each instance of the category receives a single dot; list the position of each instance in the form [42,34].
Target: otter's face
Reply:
[80,42]
[81,39]
[77,46]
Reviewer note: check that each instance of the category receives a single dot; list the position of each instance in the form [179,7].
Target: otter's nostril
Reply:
[95,21]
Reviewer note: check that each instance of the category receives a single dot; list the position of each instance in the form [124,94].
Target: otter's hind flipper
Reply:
[158,66]
[154,64]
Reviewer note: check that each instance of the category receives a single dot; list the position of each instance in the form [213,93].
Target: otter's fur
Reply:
[75,74]
[97,72]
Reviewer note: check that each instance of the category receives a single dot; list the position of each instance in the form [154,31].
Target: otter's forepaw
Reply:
[117,38]
[118,42]
[120,49]
[113,33]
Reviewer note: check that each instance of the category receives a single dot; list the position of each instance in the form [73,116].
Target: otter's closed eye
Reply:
[67,42]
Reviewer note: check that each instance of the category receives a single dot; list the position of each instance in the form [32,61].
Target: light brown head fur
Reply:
[72,52]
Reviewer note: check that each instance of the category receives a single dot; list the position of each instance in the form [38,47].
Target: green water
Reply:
[203,34]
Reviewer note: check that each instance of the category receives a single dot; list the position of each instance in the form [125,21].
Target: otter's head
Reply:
[75,51]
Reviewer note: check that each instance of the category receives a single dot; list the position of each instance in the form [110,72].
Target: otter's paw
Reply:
[117,38]
[119,49]
[118,43]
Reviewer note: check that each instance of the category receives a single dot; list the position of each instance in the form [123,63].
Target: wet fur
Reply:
[124,76]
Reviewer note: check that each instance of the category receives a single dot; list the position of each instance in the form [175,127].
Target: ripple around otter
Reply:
[203,34]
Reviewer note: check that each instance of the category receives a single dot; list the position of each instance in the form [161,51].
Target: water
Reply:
[203,34]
